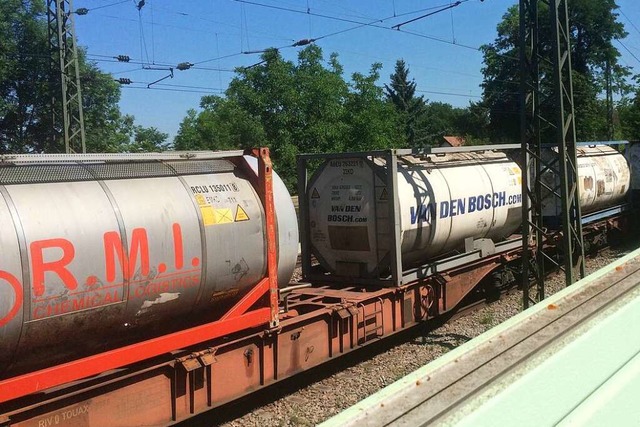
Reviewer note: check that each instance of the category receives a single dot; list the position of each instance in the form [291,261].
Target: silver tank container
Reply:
[443,199]
[98,254]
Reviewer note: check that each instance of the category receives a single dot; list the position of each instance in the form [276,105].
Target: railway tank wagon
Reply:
[97,254]
[100,247]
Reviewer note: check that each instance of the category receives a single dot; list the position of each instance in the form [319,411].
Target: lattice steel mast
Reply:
[64,60]
[559,168]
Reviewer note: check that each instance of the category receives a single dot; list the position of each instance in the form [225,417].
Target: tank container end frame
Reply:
[244,315]
[399,275]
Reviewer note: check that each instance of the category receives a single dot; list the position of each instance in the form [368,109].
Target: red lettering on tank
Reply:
[17,291]
[178,249]
[78,304]
[175,284]
[139,248]
[110,297]
[40,267]
[81,302]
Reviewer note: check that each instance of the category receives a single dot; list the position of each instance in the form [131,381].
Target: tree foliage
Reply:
[629,115]
[27,84]
[294,107]
[25,122]
[402,93]
[594,26]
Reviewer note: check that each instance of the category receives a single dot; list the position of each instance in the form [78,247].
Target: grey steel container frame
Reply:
[117,157]
[399,275]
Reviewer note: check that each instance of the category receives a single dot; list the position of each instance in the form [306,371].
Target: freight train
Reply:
[145,289]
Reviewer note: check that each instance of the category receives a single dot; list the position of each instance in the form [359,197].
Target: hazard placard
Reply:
[223,216]
[208,215]
[241,214]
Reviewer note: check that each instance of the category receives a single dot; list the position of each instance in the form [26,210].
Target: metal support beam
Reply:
[533,259]
[65,91]
[550,174]
[573,247]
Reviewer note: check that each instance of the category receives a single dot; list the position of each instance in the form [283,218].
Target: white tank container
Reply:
[443,200]
[603,180]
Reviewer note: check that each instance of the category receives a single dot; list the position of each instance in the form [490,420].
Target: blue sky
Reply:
[213,34]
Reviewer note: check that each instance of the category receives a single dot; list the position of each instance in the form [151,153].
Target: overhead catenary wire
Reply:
[434,9]
[191,29]
[628,50]
[173,90]
[374,23]
[85,10]
[111,59]
[426,15]
[335,18]
[629,20]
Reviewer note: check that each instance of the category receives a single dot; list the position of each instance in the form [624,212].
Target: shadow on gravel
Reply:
[448,341]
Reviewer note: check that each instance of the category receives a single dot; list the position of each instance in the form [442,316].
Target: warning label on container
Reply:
[315,194]
[213,216]
[208,215]
[241,214]
[223,216]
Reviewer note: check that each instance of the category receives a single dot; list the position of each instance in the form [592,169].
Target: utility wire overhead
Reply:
[160,64]
[375,23]
[360,25]
[449,93]
[85,10]
[191,29]
[629,20]
[451,6]
[628,50]
[172,90]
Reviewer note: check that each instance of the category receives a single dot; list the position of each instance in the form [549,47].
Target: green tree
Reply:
[25,119]
[629,114]
[593,28]
[374,124]
[294,107]
[146,140]
[299,105]
[220,125]
[440,119]
[26,85]
[473,124]
[402,93]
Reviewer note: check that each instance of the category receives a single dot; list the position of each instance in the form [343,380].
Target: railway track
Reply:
[322,392]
